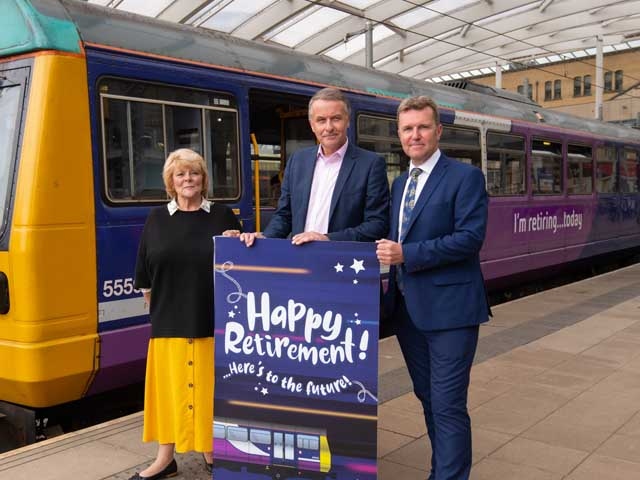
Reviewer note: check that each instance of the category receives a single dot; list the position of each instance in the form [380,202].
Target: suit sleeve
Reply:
[375,219]
[465,241]
[280,224]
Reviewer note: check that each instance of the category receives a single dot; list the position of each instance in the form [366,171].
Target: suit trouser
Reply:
[439,362]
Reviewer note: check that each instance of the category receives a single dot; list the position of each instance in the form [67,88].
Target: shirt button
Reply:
[190,363]
[191,340]
[191,385]
[190,407]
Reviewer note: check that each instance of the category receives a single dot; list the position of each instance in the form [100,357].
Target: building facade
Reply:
[570,86]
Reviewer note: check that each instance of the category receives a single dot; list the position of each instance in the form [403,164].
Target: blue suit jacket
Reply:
[442,281]
[359,205]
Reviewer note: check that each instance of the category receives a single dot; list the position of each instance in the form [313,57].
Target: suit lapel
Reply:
[306,178]
[348,162]
[432,182]
[396,201]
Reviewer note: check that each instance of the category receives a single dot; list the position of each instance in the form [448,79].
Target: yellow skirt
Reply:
[178,395]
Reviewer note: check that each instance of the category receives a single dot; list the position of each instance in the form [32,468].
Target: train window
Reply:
[309,442]
[547,90]
[237,434]
[142,123]
[505,164]
[218,431]
[546,167]
[579,170]
[260,436]
[380,135]
[629,171]
[10,109]
[605,169]
[462,144]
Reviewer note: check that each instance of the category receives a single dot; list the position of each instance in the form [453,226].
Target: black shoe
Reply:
[170,470]
[208,466]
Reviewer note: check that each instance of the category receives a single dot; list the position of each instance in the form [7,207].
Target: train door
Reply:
[629,186]
[279,126]
[606,209]
[283,449]
[578,211]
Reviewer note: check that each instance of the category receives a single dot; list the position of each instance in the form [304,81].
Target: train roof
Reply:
[64,24]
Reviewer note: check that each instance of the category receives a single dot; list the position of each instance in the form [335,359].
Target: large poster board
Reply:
[296,360]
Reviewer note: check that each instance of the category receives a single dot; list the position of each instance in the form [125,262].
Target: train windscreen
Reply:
[10,102]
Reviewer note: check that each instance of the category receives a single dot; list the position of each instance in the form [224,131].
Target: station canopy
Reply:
[438,40]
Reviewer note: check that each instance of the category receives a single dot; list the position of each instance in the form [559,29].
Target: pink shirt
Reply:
[325,175]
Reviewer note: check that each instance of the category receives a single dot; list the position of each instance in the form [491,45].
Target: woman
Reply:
[174,271]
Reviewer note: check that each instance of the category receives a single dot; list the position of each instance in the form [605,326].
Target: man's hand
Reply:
[249,237]
[389,253]
[305,237]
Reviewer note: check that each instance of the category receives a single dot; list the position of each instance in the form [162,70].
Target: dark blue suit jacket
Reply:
[359,205]
[441,277]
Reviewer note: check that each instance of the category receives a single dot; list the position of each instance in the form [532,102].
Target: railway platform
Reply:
[555,394]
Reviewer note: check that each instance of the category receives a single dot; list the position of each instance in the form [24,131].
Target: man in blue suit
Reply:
[335,191]
[436,290]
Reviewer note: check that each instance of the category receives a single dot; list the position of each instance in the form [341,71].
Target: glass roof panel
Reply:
[235,14]
[308,25]
[360,4]
[423,13]
[345,49]
[143,7]
[580,53]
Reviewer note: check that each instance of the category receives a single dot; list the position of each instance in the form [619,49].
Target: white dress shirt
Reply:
[325,175]
[427,167]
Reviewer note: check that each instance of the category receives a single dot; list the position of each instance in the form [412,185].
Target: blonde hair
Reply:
[184,156]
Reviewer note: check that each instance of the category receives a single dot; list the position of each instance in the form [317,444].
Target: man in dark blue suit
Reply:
[335,191]
[436,290]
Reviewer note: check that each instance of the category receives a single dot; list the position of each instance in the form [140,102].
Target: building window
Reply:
[618,86]
[529,92]
[587,85]
[547,91]
[608,77]
[557,89]
[577,86]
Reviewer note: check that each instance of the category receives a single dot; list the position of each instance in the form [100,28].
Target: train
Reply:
[275,450]
[91,101]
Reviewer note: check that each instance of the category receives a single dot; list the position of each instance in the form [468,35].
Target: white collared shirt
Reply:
[324,180]
[173,207]
[427,167]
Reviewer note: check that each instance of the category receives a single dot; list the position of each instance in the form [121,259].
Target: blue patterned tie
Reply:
[409,201]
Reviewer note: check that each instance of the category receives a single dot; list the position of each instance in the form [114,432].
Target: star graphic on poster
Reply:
[357,266]
[358,322]
[338,266]
[264,391]
[355,282]
[232,314]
